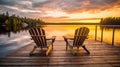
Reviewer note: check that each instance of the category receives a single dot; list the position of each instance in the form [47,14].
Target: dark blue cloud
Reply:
[68,6]
[38,3]
[8,2]
[103,2]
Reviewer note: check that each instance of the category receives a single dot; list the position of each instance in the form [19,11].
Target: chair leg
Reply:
[86,49]
[32,50]
[41,48]
[77,48]
[72,50]
[66,46]
[48,50]
[52,46]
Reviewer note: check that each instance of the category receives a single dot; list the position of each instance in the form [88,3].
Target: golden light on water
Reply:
[63,30]
[69,30]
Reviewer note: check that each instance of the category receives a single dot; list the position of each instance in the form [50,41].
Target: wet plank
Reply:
[101,55]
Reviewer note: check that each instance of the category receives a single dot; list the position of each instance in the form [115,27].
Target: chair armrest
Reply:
[86,37]
[53,38]
[30,38]
[66,39]
[70,38]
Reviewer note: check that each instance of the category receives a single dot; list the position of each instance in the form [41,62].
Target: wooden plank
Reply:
[102,55]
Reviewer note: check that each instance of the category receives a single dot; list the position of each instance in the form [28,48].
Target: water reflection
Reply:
[64,30]
[14,29]
[12,38]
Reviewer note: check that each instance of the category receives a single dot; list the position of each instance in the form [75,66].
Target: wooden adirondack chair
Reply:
[78,40]
[39,37]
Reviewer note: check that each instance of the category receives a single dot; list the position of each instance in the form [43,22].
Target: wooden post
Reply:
[113,35]
[96,32]
[102,34]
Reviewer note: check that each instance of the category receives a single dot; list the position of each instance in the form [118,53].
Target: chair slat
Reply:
[78,40]
[80,36]
[38,36]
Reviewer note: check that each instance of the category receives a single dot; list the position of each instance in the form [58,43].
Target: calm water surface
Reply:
[12,41]
[69,30]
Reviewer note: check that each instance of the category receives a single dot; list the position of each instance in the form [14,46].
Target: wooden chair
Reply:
[78,40]
[38,35]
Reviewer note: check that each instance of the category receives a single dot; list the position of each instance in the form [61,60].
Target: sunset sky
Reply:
[62,10]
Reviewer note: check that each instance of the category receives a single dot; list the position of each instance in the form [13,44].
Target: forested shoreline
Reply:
[13,23]
[13,20]
[110,21]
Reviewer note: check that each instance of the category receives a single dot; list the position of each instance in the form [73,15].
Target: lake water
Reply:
[63,30]
[12,41]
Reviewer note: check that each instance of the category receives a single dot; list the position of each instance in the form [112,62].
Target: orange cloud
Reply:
[62,10]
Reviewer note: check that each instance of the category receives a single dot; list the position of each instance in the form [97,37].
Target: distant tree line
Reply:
[16,24]
[110,21]
[13,20]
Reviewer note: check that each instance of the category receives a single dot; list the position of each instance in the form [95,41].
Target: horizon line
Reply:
[64,23]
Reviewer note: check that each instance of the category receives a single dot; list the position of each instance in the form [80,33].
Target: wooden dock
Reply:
[102,55]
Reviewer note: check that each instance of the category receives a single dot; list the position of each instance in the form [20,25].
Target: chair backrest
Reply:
[80,36]
[38,35]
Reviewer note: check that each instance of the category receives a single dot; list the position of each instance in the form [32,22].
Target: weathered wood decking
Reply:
[102,55]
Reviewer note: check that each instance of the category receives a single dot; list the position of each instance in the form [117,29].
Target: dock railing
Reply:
[113,27]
